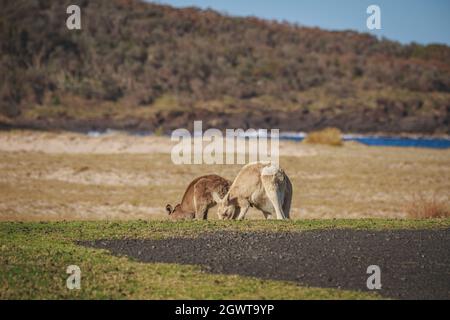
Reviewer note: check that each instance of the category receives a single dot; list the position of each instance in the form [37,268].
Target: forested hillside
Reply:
[137,65]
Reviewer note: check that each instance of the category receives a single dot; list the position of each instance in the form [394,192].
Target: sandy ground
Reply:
[112,143]
[69,176]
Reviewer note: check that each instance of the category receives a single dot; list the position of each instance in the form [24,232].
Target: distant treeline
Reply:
[139,65]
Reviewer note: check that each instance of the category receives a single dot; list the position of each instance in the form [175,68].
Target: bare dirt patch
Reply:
[414,264]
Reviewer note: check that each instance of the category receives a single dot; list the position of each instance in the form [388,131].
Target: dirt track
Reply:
[415,264]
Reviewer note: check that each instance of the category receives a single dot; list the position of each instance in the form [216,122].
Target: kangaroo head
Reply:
[177,213]
[227,207]
[174,210]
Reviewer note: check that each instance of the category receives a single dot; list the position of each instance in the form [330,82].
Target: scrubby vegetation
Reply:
[140,65]
[329,136]
[422,207]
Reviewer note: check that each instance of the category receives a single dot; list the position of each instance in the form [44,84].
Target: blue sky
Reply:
[420,21]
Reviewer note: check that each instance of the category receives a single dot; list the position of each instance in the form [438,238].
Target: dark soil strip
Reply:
[415,264]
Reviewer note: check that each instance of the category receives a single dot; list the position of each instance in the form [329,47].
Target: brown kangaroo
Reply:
[199,197]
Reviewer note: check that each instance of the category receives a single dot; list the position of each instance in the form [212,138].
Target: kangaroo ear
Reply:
[216,197]
[169,209]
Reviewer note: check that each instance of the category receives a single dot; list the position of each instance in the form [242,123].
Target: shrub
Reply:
[159,131]
[329,136]
[421,207]
[166,102]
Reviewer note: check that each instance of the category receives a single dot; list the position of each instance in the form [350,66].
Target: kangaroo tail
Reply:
[287,198]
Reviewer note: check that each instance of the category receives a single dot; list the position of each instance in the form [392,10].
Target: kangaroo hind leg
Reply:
[202,201]
[274,184]
[287,198]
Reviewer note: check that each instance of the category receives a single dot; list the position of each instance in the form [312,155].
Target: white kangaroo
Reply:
[262,185]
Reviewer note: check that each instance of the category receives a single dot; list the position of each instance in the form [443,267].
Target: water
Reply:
[435,143]
[380,141]
[385,141]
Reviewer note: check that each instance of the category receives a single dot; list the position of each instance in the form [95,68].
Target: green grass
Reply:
[35,255]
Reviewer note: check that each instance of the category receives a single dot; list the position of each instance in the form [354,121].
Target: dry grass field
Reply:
[68,176]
